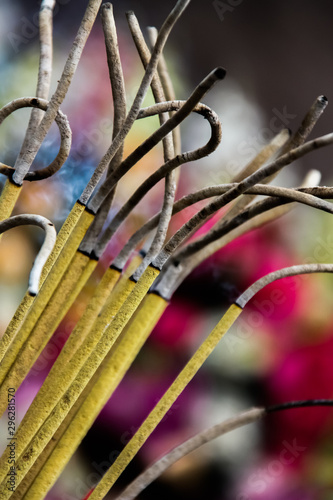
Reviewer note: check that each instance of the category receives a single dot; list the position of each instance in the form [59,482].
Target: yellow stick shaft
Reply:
[42,458]
[93,362]
[42,399]
[58,269]
[27,300]
[165,403]
[53,388]
[8,198]
[86,322]
[74,279]
[15,324]
[62,373]
[112,371]
[63,235]
[46,292]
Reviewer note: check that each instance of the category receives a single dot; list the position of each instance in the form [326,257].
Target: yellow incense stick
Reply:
[113,370]
[85,323]
[8,198]
[64,233]
[46,291]
[25,484]
[74,279]
[163,406]
[15,324]
[62,375]
[54,386]
[58,269]
[29,478]
[112,304]
[93,362]
[37,466]
[27,300]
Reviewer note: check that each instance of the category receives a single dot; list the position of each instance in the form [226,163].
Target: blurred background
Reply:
[278,60]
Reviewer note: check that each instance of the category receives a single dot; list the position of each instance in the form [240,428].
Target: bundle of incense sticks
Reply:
[137,286]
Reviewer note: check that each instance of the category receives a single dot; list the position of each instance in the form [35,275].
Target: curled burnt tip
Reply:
[220,72]
[44,252]
[286,272]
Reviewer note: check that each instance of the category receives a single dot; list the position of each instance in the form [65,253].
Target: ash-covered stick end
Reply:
[220,72]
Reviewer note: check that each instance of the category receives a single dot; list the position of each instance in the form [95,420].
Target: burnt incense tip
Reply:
[130,13]
[84,252]
[309,403]
[90,210]
[116,268]
[323,99]
[93,255]
[220,73]
[107,6]
[12,180]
